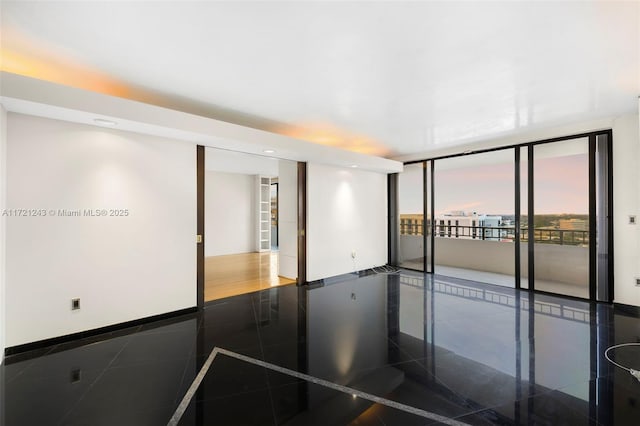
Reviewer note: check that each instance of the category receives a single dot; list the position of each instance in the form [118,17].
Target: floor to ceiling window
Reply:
[561,217]
[522,206]
[524,216]
[474,217]
[411,247]
[601,217]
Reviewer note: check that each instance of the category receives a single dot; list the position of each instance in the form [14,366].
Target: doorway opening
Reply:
[250,223]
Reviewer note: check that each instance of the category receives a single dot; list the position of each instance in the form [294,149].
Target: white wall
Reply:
[122,268]
[220,160]
[288,219]
[230,213]
[3,200]
[346,211]
[626,201]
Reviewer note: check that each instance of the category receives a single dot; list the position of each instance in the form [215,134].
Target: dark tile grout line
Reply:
[30,363]
[380,420]
[188,396]
[62,347]
[85,341]
[266,373]
[536,395]
[417,361]
[184,370]
[341,388]
[493,407]
[54,348]
[411,359]
[130,338]
[240,393]
[317,381]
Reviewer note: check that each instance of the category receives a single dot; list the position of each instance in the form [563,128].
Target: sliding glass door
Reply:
[411,244]
[474,217]
[534,216]
[561,217]
[601,218]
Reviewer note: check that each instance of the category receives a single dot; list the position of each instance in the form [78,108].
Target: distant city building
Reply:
[472,225]
[411,224]
[573,224]
[458,224]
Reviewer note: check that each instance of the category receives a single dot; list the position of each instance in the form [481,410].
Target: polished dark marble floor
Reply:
[473,353]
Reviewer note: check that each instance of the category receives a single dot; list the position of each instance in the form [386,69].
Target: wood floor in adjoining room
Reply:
[234,274]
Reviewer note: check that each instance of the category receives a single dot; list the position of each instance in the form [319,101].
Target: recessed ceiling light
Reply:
[104,122]
[354,166]
[269,151]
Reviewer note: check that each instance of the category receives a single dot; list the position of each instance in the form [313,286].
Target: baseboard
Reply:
[339,278]
[627,310]
[13,350]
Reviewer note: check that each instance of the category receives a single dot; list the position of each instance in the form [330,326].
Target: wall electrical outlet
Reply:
[75,304]
[632,220]
[637,282]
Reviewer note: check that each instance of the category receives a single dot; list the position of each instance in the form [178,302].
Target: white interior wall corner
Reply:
[626,202]
[230,213]
[346,213]
[3,205]
[288,219]
[123,268]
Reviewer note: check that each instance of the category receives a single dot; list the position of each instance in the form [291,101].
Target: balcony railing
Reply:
[497,233]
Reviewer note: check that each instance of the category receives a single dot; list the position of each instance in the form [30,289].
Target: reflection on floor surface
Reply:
[462,352]
[556,287]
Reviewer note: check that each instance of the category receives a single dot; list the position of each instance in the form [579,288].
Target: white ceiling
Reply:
[388,78]
[31,96]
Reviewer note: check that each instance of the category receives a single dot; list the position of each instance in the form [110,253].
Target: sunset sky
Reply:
[561,185]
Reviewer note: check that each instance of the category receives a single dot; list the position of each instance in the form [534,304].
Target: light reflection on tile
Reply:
[477,353]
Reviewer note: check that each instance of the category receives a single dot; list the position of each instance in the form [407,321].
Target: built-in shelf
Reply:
[263,223]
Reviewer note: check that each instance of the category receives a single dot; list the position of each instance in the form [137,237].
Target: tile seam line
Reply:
[184,373]
[344,389]
[266,373]
[376,399]
[100,375]
[182,407]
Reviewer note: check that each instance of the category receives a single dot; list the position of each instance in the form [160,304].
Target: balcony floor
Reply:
[502,280]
